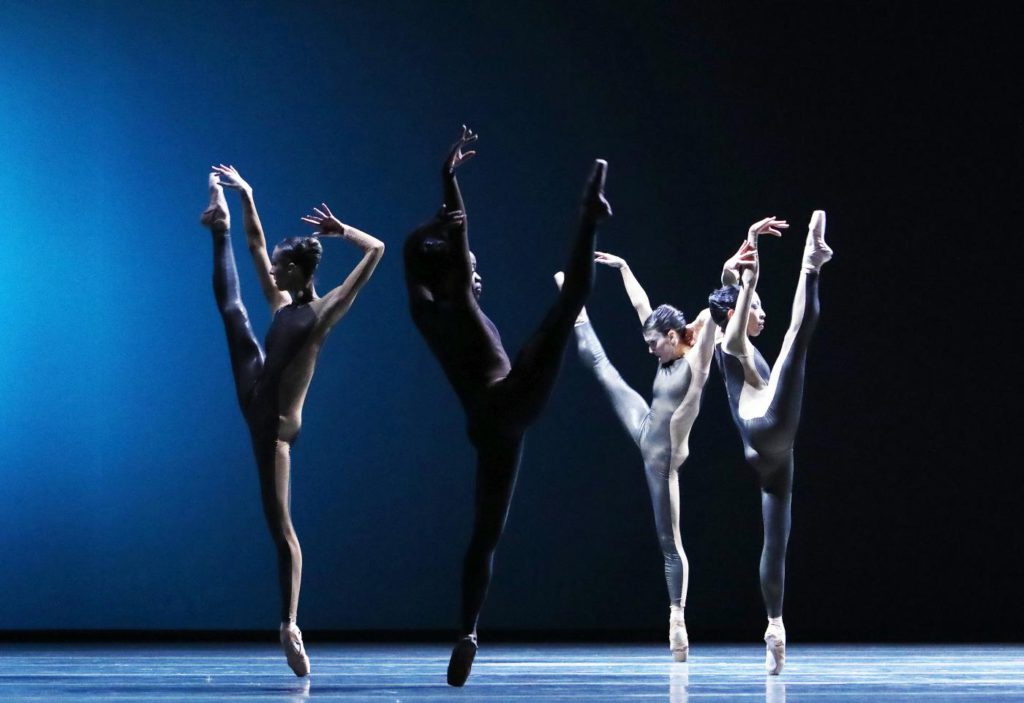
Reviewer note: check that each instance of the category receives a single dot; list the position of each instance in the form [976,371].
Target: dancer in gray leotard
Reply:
[662,429]
[766,401]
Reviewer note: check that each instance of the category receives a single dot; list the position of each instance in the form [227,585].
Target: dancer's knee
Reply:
[774,470]
[668,546]
[233,313]
[279,522]
[777,484]
[483,542]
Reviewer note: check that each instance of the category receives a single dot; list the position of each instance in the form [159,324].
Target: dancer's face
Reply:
[477,282]
[286,275]
[755,320]
[661,345]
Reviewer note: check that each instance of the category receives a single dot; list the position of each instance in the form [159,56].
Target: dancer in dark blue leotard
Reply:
[272,384]
[500,399]
[766,401]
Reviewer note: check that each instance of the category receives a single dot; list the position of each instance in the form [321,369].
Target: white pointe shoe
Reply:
[775,649]
[294,650]
[678,641]
[816,251]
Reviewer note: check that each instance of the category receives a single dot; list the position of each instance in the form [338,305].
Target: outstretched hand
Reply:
[449,219]
[768,225]
[326,223]
[616,262]
[595,205]
[456,156]
[228,177]
[745,257]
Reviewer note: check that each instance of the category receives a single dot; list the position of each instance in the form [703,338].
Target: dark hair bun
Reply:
[304,252]
[313,245]
[721,301]
[665,318]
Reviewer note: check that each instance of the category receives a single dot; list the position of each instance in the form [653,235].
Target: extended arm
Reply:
[332,306]
[745,262]
[458,235]
[703,348]
[735,340]
[229,177]
[702,333]
[637,297]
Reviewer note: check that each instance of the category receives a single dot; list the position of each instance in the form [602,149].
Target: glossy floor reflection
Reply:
[205,672]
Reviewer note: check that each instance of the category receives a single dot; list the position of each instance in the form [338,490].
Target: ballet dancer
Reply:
[765,401]
[660,430]
[271,382]
[500,399]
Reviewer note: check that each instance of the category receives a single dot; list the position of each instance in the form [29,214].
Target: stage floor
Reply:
[342,672]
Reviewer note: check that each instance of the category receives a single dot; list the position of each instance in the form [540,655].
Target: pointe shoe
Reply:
[816,251]
[294,650]
[462,660]
[678,641]
[775,649]
[216,216]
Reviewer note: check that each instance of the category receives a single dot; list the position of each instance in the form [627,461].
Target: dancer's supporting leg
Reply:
[497,456]
[776,505]
[497,466]
[274,459]
[663,485]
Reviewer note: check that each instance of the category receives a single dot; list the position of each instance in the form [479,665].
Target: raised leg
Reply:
[630,407]
[532,377]
[246,353]
[787,376]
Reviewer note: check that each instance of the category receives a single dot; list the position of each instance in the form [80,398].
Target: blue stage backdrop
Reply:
[129,496]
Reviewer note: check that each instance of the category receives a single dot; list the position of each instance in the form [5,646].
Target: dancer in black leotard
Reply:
[661,430]
[500,399]
[766,401]
[272,386]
